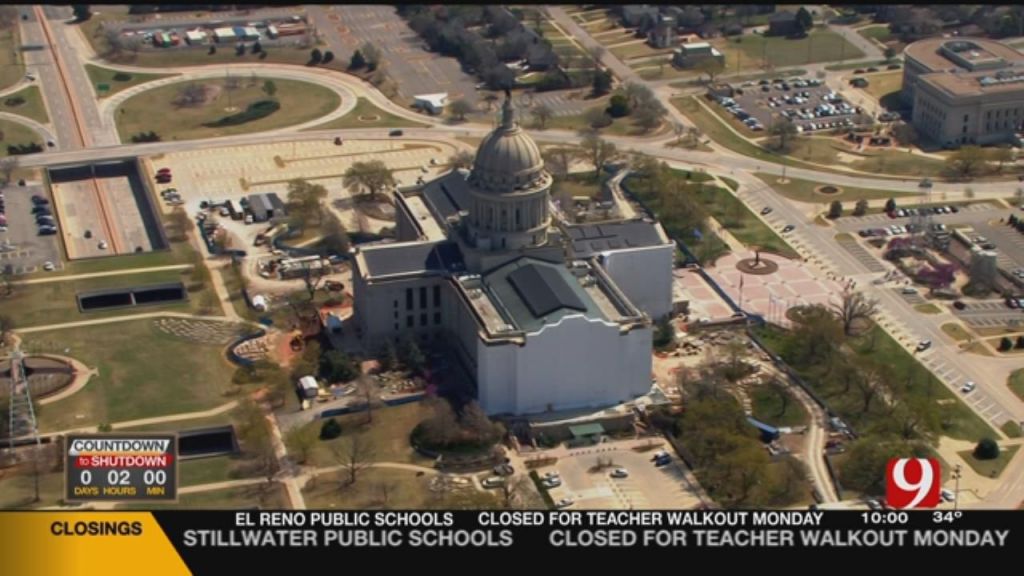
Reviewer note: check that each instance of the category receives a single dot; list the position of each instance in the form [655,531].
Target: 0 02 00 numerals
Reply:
[123,477]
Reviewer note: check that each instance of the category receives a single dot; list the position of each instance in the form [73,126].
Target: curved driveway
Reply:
[42,129]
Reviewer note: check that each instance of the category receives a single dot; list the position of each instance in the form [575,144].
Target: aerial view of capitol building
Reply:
[542,315]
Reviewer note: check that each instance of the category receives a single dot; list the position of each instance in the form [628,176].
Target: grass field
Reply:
[179,253]
[928,309]
[367,115]
[638,49]
[957,420]
[884,83]
[143,372]
[618,127]
[738,219]
[187,56]
[12,133]
[1011,429]
[100,75]
[55,302]
[383,488]
[388,434]
[990,468]
[300,102]
[1016,383]
[818,46]
[769,407]
[265,496]
[12,67]
[803,191]
[33,108]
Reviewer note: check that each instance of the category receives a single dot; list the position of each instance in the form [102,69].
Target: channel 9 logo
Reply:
[912,483]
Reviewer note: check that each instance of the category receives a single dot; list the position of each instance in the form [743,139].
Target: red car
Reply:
[163,171]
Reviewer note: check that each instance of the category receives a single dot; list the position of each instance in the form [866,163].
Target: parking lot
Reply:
[289,29]
[646,487]
[990,314]
[21,246]
[808,103]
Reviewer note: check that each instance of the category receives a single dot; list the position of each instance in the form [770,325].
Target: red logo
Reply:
[912,483]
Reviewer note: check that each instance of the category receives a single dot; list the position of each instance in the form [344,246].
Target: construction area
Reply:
[104,210]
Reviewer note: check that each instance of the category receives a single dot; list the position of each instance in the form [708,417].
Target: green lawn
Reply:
[55,302]
[265,496]
[13,133]
[880,33]
[368,115]
[855,65]
[884,83]
[928,309]
[388,434]
[818,46]
[1016,383]
[179,253]
[768,406]
[804,191]
[738,219]
[33,107]
[180,56]
[638,49]
[990,468]
[300,102]
[1011,429]
[955,419]
[143,372]
[99,75]
[619,126]
[382,488]
[12,67]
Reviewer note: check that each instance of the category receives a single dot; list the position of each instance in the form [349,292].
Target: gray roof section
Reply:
[412,258]
[506,293]
[543,290]
[589,239]
[447,195]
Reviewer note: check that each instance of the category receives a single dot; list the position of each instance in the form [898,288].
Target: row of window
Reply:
[410,298]
[410,320]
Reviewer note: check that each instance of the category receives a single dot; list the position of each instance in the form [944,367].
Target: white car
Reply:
[947,495]
[968,387]
[103,245]
[553,482]
[564,503]
[493,482]
[619,473]
[48,266]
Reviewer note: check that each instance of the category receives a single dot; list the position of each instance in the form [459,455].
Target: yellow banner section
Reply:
[86,543]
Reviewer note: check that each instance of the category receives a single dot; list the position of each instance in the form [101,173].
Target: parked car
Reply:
[909,290]
[924,345]
[163,171]
[766,210]
[788,228]
[564,503]
[947,495]
[959,305]
[619,473]
[47,231]
[395,133]
[48,266]
[968,387]
[493,482]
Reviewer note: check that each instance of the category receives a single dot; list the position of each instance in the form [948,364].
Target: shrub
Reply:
[987,449]
[14,101]
[619,106]
[1005,344]
[328,57]
[254,111]
[30,148]
[330,429]
[122,77]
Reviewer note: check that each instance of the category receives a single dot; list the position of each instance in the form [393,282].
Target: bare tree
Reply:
[354,455]
[512,490]
[596,52]
[559,160]
[7,280]
[854,306]
[679,129]
[301,442]
[7,167]
[115,42]
[490,99]
[254,431]
[191,94]
[369,392]
[597,151]
[460,108]
[543,113]
[6,328]
[384,491]
[312,279]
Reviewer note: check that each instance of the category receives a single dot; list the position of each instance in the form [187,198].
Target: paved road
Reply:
[41,63]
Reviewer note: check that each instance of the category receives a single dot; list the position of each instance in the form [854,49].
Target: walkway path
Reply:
[123,271]
[42,129]
[226,407]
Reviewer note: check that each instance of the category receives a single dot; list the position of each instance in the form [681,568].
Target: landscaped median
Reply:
[367,115]
[106,81]
[221,107]
[809,191]
[27,102]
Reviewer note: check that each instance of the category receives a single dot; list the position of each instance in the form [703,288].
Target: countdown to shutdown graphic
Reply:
[115,467]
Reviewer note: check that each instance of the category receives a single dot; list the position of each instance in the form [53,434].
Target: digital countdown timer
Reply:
[119,467]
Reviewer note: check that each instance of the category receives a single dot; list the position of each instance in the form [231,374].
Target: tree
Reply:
[1002,155]
[358,61]
[354,456]
[411,356]
[889,53]
[602,82]
[368,390]
[441,428]
[691,18]
[301,441]
[190,94]
[7,280]
[559,160]
[596,118]
[804,19]
[335,236]
[596,53]
[835,209]
[854,306]
[371,176]
[269,88]
[861,208]
[388,356]
[638,94]
[336,366]
[8,166]
[491,99]
[649,116]
[784,131]
[7,326]
[372,55]
[597,151]
[543,113]
[1005,345]
[254,431]
[330,429]
[315,56]
[328,57]
[618,106]
[305,198]
[987,449]
[966,162]
[82,12]
[460,108]
[461,159]
[890,205]
[710,67]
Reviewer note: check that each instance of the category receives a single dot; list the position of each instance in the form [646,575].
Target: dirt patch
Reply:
[758,267]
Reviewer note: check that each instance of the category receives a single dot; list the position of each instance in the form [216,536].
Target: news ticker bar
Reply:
[183,542]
